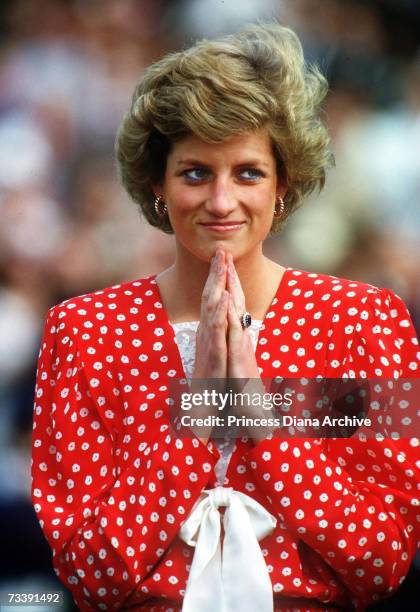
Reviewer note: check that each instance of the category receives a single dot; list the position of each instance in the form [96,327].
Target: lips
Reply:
[225,223]
[223,227]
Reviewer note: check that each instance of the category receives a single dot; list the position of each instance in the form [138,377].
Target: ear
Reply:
[282,182]
[157,190]
[281,190]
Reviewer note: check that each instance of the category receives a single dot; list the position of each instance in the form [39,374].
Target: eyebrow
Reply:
[197,162]
[190,161]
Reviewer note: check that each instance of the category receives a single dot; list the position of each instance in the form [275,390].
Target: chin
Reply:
[205,249]
[205,253]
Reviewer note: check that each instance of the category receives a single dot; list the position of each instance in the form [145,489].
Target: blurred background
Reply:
[67,71]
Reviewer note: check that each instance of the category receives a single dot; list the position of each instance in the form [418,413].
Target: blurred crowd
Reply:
[67,71]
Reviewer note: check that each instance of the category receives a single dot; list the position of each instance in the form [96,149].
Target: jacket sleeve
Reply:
[107,526]
[355,501]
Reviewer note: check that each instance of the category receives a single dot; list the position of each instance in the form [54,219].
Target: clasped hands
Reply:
[223,348]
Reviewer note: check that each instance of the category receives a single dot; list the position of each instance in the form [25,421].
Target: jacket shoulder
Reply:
[322,284]
[116,296]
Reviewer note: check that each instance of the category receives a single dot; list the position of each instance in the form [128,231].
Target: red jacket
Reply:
[111,487]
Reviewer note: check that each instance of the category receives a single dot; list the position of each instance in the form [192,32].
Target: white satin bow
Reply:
[238,581]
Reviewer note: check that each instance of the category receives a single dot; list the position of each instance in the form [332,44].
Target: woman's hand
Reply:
[223,348]
[241,362]
[211,347]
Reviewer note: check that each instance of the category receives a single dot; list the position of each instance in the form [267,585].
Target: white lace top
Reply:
[185,338]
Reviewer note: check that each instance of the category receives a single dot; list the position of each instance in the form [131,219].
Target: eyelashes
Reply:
[254,172]
[196,175]
[199,175]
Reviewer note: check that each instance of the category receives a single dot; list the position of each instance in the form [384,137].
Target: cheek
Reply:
[181,202]
[264,206]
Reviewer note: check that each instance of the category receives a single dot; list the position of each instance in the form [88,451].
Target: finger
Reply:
[219,321]
[234,286]
[222,307]
[215,284]
[212,271]
[235,327]
[218,285]
[215,274]
[211,350]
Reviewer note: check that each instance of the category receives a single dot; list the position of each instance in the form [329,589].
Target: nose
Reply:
[221,200]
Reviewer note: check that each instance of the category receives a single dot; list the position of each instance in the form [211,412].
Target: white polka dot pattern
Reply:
[111,487]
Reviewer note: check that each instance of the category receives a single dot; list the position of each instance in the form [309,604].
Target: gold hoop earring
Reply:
[278,212]
[161,212]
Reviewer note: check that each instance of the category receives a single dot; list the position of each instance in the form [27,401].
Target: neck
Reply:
[182,284]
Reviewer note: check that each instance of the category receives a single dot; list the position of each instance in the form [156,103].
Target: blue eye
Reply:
[251,174]
[195,174]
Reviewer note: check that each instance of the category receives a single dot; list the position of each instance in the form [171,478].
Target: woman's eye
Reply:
[195,174]
[251,174]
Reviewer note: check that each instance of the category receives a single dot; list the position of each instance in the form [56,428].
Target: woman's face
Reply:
[221,195]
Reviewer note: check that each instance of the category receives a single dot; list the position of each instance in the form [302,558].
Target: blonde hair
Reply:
[216,89]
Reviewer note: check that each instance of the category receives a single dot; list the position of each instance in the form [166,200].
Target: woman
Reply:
[222,142]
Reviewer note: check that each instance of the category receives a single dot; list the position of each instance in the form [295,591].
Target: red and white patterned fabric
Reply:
[111,487]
